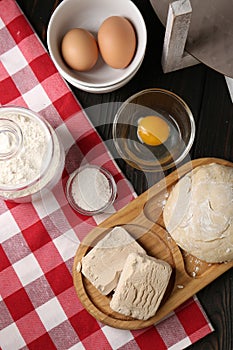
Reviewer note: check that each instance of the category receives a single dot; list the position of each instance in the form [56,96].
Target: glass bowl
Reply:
[173,111]
[85,194]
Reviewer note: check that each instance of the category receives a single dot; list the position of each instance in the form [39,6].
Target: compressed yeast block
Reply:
[141,286]
[102,266]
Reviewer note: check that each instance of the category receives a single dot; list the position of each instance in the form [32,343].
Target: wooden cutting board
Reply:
[142,218]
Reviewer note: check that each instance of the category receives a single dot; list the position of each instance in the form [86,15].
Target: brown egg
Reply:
[79,49]
[117,41]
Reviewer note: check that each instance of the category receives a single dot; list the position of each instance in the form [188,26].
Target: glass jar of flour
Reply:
[31,156]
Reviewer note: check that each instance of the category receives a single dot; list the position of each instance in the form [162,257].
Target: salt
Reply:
[91,189]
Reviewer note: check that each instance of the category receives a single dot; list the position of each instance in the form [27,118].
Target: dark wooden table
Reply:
[206,93]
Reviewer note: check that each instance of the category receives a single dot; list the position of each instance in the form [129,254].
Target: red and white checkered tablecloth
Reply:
[39,308]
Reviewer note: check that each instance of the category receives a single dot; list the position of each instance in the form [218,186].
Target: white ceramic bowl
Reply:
[90,14]
[102,89]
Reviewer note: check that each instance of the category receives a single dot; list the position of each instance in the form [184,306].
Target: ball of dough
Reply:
[199,213]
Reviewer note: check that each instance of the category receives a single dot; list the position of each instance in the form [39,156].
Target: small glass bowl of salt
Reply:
[90,190]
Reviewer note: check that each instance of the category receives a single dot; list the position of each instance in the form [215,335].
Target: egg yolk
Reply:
[152,130]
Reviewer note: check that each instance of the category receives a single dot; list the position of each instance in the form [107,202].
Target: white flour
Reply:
[26,165]
[40,158]
[90,189]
